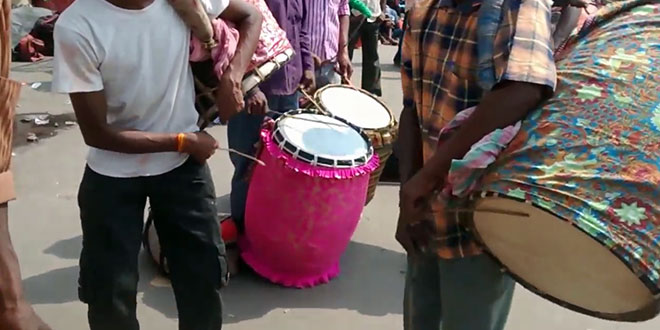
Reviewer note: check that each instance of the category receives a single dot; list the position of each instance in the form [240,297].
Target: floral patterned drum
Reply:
[572,206]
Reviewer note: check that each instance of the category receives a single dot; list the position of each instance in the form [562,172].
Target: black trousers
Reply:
[112,214]
[368,34]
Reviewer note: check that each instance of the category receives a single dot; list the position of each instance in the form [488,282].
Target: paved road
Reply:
[367,295]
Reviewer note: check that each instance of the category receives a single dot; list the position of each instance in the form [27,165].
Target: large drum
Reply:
[304,205]
[366,111]
[572,207]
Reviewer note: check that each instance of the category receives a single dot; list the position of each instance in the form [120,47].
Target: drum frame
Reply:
[644,314]
[306,157]
[206,83]
[382,139]
[379,137]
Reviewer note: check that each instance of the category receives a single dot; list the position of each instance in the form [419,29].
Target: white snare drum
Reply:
[366,111]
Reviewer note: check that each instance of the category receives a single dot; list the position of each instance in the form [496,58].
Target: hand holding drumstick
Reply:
[201,146]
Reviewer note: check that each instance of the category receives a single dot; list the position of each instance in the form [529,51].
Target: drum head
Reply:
[358,107]
[560,262]
[321,139]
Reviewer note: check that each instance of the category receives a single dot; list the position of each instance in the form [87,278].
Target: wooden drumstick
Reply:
[230,150]
[491,210]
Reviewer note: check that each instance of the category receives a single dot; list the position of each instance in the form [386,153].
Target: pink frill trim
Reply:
[290,281]
[311,170]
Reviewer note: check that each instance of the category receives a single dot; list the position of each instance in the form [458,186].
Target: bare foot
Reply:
[22,318]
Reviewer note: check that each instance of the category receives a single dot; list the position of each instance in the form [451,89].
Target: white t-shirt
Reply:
[374,7]
[139,58]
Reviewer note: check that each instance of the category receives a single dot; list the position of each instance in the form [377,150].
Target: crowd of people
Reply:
[132,90]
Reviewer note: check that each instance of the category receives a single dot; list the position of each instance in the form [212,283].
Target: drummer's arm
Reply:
[409,141]
[305,39]
[508,103]
[248,23]
[91,109]
[528,79]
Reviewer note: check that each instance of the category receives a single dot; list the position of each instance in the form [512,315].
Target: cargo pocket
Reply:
[223,264]
[83,280]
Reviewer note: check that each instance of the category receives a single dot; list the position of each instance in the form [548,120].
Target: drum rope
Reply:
[272,112]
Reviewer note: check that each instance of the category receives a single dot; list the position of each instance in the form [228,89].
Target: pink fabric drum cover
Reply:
[300,217]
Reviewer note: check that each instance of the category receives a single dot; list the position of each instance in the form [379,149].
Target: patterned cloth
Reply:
[439,75]
[591,155]
[323,26]
[465,173]
[272,41]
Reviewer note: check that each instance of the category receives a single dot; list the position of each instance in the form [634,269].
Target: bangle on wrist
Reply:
[180,140]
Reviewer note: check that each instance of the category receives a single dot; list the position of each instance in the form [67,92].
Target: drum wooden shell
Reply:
[581,273]
[382,138]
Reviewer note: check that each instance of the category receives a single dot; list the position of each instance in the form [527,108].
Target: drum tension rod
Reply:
[489,210]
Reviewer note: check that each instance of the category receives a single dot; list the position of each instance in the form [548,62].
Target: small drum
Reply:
[205,82]
[572,207]
[304,205]
[366,111]
[273,51]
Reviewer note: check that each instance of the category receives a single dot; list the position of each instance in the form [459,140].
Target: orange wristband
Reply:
[180,139]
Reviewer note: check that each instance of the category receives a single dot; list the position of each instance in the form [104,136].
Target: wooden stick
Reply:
[490,210]
[230,150]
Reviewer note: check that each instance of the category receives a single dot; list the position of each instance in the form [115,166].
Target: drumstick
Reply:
[309,98]
[490,210]
[230,150]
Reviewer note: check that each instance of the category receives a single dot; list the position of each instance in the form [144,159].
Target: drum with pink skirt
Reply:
[296,236]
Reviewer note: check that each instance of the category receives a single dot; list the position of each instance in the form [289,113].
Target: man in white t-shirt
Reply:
[125,65]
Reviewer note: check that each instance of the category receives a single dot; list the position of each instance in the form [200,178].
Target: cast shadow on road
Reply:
[371,283]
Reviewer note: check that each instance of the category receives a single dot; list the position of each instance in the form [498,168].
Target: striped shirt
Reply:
[440,74]
[324,26]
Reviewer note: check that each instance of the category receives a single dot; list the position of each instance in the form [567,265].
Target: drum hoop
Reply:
[388,132]
[643,314]
[295,152]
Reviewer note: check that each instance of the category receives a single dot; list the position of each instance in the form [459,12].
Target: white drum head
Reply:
[323,136]
[357,107]
[559,260]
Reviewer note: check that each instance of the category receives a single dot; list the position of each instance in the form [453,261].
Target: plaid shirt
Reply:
[445,56]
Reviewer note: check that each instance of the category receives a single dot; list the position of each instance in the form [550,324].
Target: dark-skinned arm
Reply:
[508,103]
[91,110]
[229,94]
[409,144]
[345,66]
[248,23]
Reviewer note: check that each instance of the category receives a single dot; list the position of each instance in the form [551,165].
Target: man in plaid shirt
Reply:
[448,66]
